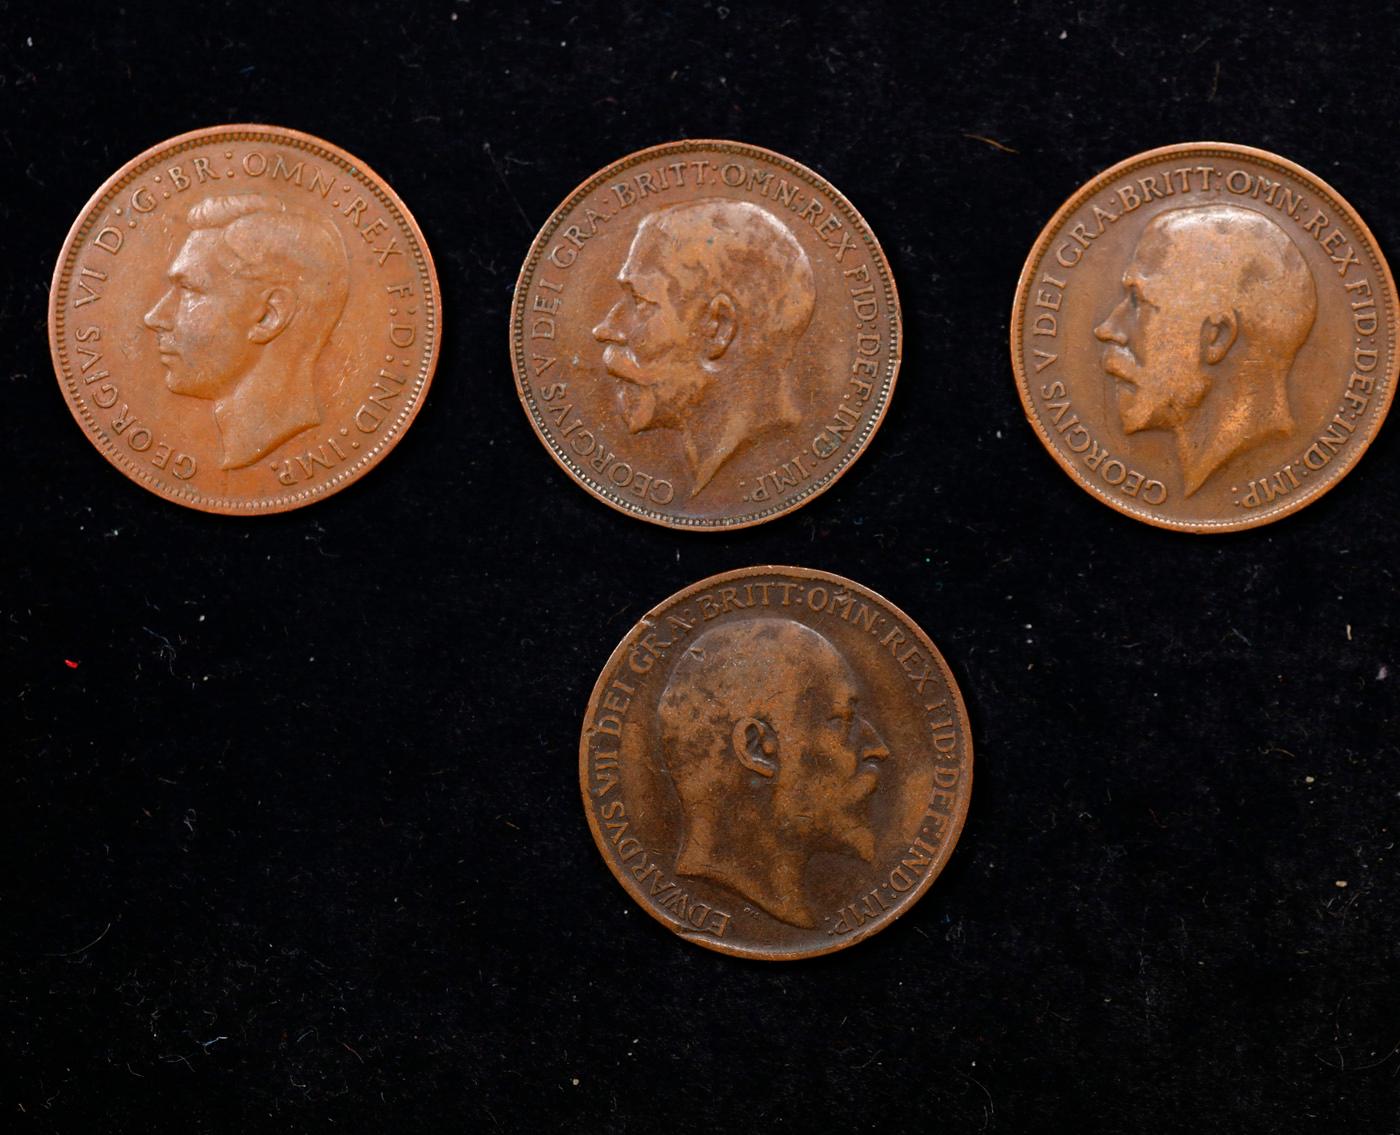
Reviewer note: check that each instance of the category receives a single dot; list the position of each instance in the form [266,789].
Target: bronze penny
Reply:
[244,319]
[776,763]
[705,335]
[1204,337]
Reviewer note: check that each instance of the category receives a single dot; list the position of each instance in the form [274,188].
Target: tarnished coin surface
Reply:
[776,763]
[1204,337]
[705,335]
[244,319]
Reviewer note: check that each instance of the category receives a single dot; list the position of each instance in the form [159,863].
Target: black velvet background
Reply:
[297,845]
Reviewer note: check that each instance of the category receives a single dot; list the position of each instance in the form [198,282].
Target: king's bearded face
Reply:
[1154,335]
[655,340]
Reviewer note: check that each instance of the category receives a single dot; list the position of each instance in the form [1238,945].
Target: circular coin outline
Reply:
[952,832]
[592,486]
[89,216]
[1101,181]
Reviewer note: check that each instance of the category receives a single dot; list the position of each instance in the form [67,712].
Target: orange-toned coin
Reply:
[1204,337]
[776,763]
[244,319]
[705,335]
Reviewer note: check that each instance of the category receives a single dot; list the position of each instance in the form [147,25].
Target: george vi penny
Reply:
[776,763]
[705,335]
[244,319]
[1204,337]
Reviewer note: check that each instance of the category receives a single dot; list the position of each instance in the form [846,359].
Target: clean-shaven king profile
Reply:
[1217,302]
[765,738]
[716,296]
[255,292]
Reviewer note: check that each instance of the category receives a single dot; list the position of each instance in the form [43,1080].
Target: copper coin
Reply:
[244,319]
[776,763]
[1204,337]
[705,335]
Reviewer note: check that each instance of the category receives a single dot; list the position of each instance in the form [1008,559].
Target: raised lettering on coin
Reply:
[244,319]
[776,763]
[1204,337]
[705,335]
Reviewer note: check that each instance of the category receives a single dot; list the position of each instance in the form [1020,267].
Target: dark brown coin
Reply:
[705,335]
[244,319]
[776,763]
[1204,337]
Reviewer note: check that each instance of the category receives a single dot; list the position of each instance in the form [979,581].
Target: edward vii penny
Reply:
[1204,337]
[244,319]
[776,763]
[705,335]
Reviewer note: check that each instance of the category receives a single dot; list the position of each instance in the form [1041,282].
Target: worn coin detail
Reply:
[244,319]
[1204,337]
[776,762]
[705,334]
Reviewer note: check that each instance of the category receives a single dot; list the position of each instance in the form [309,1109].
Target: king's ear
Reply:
[721,325]
[756,746]
[1218,334]
[279,304]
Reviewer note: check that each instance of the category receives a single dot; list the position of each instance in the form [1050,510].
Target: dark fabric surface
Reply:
[295,844]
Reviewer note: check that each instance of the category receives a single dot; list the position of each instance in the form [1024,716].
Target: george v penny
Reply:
[244,319]
[705,335]
[776,763]
[1204,337]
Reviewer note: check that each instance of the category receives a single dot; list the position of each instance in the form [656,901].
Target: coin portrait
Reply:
[244,319]
[763,735]
[715,296]
[776,762]
[255,292]
[1203,337]
[705,335]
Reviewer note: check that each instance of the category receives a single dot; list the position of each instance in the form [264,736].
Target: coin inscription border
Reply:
[1101,181]
[957,704]
[525,387]
[353,168]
